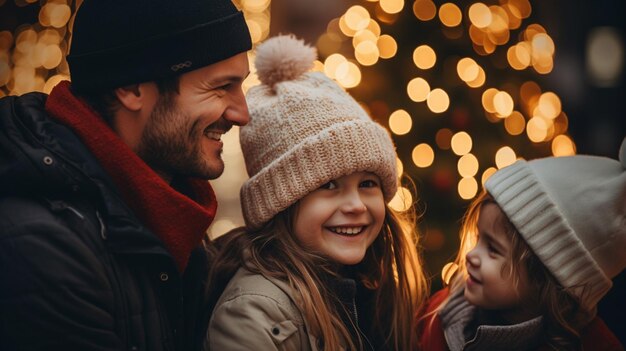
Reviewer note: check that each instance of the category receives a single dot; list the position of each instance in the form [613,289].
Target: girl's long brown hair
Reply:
[562,314]
[391,266]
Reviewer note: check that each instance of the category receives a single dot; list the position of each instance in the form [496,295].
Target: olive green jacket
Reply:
[258,313]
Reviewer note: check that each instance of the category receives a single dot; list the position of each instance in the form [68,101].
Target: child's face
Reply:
[489,285]
[342,218]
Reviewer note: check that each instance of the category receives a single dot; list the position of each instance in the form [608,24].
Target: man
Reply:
[104,202]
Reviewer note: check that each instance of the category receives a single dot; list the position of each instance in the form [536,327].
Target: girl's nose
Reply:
[472,258]
[353,203]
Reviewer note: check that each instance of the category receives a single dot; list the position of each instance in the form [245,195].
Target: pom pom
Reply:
[283,58]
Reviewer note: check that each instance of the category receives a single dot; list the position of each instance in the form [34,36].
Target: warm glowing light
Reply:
[374,27]
[424,10]
[518,56]
[480,79]
[561,123]
[549,105]
[51,56]
[461,143]
[357,18]
[468,187]
[450,15]
[424,57]
[366,53]
[438,100]
[423,155]
[256,31]
[487,99]
[345,28]
[503,104]
[331,64]
[363,36]
[480,15]
[515,123]
[504,157]
[562,145]
[467,165]
[399,167]
[543,43]
[443,138]
[418,89]
[448,271]
[387,46]
[391,6]
[58,14]
[486,174]
[402,200]
[348,75]
[400,122]
[467,69]
[537,129]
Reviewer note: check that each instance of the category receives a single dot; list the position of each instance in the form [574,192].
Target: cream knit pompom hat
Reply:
[572,213]
[304,131]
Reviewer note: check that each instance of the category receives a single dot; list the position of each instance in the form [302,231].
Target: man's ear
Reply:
[130,97]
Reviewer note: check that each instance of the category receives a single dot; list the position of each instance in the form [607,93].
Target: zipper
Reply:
[358,329]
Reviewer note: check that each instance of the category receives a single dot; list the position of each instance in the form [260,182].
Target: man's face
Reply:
[182,135]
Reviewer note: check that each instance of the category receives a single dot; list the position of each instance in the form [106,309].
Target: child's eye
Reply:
[492,249]
[369,183]
[329,186]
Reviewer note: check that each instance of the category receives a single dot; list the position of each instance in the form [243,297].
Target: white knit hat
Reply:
[572,213]
[304,131]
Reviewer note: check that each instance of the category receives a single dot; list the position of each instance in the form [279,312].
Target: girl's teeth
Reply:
[346,230]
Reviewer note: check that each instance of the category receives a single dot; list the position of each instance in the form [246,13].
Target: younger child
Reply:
[538,251]
[324,263]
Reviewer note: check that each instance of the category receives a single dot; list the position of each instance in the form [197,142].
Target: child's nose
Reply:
[472,258]
[353,203]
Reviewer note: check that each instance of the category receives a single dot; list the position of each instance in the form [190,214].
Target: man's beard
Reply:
[170,146]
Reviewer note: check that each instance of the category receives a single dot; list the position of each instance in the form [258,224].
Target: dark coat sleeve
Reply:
[54,291]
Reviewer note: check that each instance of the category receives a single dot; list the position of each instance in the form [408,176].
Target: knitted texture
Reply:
[572,213]
[120,42]
[305,131]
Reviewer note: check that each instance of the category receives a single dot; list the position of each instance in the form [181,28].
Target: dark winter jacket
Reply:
[78,271]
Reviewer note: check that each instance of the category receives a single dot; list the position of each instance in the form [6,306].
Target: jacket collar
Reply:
[458,315]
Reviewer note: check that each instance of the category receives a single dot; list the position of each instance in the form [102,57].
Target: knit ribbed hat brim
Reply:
[528,205]
[344,148]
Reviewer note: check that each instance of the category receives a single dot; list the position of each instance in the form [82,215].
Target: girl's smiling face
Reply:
[489,284]
[342,218]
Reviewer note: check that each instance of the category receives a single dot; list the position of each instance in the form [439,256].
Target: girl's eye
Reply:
[369,183]
[492,249]
[329,186]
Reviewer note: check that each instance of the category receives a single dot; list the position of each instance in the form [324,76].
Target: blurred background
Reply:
[465,87]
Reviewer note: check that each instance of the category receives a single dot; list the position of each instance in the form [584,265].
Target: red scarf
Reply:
[177,220]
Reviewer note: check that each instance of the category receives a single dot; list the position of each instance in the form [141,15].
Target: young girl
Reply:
[538,250]
[324,263]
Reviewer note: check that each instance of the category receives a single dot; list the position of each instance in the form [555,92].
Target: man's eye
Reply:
[329,186]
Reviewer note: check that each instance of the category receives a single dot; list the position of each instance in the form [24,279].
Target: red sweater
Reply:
[596,336]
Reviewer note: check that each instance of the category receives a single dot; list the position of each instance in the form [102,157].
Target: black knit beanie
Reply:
[121,42]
